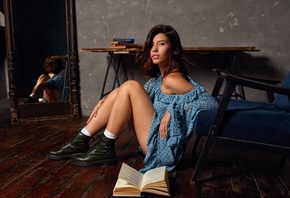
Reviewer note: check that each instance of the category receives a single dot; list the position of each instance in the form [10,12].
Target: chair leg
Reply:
[217,87]
[282,161]
[213,130]
[201,158]
[196,142]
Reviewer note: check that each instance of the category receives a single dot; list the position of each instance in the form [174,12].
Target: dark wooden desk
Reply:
[116,66]
[229,51]
[219,49]
[186,50]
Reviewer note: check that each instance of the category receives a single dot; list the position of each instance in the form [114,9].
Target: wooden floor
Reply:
[26,172]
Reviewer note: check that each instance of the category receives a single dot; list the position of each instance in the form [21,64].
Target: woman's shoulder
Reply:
[177,83]
[172,78]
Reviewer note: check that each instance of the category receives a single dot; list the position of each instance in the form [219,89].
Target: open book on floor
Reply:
[131,183]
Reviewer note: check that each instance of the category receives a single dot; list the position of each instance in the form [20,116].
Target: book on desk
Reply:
[122,43]
[124,40]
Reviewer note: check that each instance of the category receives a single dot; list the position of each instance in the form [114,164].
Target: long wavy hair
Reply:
[52,65]
[177,60]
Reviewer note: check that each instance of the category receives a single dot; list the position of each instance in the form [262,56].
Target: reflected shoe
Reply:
[31,100]
[102,153]
[78,145]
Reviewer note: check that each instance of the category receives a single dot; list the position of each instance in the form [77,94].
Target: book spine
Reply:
[124,40]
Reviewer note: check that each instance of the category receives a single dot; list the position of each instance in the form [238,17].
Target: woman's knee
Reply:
[131,85]
[43,78]
[113,94]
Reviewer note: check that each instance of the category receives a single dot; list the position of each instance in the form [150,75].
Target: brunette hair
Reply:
[52,65]
[177,60]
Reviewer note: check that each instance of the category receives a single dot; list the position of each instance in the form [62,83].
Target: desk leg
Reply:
[116,68]
[116,72]
[234,67]
[120,63]
[106,76]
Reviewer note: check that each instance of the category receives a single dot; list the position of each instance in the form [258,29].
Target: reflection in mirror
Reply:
[41,48]
[51,85]
[39,33]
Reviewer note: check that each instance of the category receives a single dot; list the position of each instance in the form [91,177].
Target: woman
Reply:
[49,85]
[162,112]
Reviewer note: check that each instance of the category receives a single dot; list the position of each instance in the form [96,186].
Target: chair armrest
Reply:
[251,83]
[219,82]
[269,81]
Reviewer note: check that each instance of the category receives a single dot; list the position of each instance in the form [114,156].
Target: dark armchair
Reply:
[261,125]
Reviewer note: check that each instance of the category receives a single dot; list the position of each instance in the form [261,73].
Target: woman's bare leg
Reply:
[100,121]
[80,144]
[38,90]
[128,102]
[132,102]
[51,95]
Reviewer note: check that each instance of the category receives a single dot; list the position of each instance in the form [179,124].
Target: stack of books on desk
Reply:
[123,43]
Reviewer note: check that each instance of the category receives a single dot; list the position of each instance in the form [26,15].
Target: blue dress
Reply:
[183,109]
[57,82]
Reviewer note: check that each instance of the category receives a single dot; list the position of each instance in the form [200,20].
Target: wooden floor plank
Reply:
[29,179]
[84,178]
[26,172]
[129,154]
[266,190]
[31,150]
[32,158]
[54,180]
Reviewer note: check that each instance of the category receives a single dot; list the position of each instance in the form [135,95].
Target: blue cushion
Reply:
[282,100]
[253,121]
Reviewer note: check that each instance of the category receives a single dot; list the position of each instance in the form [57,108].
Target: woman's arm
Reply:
[174,83]
[163,127]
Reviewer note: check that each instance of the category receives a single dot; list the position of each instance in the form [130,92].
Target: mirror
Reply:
[34,30]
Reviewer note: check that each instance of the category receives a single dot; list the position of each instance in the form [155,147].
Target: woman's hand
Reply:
[95,111]
[163,128]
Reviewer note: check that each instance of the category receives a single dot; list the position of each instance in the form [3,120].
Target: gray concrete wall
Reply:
[259,23]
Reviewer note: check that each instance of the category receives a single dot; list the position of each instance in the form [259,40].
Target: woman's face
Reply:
[161,50]
[49,66]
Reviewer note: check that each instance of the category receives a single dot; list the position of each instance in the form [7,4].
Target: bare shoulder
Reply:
[176,83]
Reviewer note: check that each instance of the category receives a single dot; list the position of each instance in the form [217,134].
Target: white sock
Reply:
[110,135]
[86,132]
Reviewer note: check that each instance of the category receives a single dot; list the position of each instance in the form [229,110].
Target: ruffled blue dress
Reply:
[183,109]
[57,82]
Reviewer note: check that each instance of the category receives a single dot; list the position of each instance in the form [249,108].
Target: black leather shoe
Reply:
[77,146]
[102,153]
[31,100]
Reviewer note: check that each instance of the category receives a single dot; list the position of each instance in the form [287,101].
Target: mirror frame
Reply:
[51,111]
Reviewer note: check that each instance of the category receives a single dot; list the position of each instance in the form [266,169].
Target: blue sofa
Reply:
[258,124]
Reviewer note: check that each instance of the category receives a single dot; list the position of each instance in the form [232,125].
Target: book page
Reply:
[123,188]
[154,175]
[131,175]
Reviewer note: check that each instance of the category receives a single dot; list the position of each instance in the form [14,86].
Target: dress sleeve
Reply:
[183,110]
[57,80]
[149,88]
